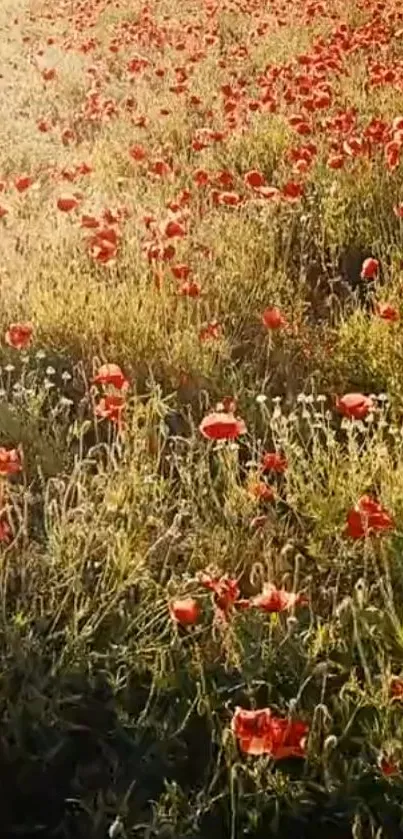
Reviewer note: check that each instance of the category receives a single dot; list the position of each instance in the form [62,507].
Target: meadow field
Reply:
[201,404]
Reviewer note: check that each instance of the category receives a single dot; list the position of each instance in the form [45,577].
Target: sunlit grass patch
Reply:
[201,473]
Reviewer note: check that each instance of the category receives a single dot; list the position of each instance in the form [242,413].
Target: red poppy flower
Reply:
[137,153]
[258,733]
[181,271]
[173,229]
[19,335]
[396,688]
[141,121]
[287,738]
[254,179]
[251,730]
[149,220]
[273,461]
[303,128]
[10,461]
[228,199]
[84,168]
[89,222]
[23,182]
[160,168]
[43,126]
[273,599]
[103,245]
[261,491]
[388,766]
[137,64]
[115,216]
[210,332]
[335,161]
[369,269]
[5,530]
[222,426]
[66,203]
[156,252]
[368,517]
[49,74]
[387,312]
[355,405]
[397,124]
[183,199]
[110,407]
[301,166]
[68,175]
[355,146]
[190,289]
[68,136]
[111,374]
[201,177]
[273,319]
[224,178]
[392,154]
[225,589]
[185,611]
[292,191]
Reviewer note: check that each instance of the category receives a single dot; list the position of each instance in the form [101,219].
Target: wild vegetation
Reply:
[201,401]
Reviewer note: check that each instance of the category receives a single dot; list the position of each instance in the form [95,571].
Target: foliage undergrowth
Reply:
[115,717]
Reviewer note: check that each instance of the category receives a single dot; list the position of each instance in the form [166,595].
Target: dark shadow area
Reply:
[75,758]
